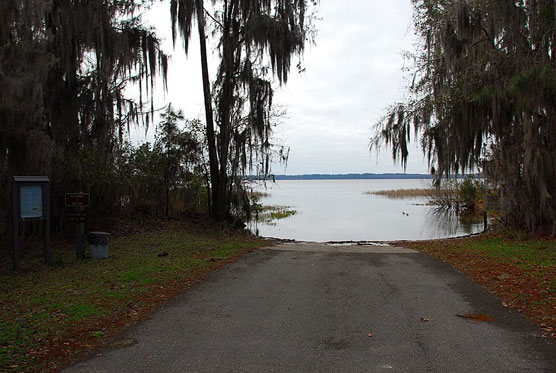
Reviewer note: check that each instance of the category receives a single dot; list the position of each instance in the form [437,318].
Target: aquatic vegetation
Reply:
[402,193]
[269,214]
[257,194]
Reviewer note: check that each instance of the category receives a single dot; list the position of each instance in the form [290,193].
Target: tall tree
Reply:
[64,67]
[256,42]
[484,94]
[24,63]
[98,47]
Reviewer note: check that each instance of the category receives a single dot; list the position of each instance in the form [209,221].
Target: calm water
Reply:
[339,210]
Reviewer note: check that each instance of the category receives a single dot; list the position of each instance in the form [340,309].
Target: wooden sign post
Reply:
[30,201]
[78,202]
[491,204]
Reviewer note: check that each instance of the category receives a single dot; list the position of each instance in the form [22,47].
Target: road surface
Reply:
[301,307]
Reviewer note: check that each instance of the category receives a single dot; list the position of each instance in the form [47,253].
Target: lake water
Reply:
[339,210]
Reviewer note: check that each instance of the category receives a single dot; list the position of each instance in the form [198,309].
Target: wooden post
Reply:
[46,217]
[15,225]
[79,244]
[78,202]
[485,221]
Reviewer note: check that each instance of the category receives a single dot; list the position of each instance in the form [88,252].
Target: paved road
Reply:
[310,307]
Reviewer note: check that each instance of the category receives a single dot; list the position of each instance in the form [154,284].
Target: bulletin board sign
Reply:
[30,201]
[492,201]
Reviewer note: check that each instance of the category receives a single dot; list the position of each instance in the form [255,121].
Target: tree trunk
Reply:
[217,201]
[167,207]
[230,39]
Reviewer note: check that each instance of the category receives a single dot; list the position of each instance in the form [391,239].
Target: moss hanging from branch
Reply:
[483,93]
[64,67]
[257,41]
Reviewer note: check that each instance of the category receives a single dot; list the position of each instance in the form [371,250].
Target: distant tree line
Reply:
[483,91]
[346,176]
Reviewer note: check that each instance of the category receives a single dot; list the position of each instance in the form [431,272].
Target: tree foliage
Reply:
[257,41]
[64,67]
[484,94]
[163,178]
[180,150]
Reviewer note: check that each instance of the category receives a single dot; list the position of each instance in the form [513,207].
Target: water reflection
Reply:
[450,224]
[340,210]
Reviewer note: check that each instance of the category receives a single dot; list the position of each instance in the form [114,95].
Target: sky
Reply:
[352,74]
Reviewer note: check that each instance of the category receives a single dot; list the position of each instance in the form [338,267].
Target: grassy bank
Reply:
[52,314]
[520,270]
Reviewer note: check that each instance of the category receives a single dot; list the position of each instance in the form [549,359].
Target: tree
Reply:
[64,67]
[257,41]
[24,64]
[484,94]
[179,148]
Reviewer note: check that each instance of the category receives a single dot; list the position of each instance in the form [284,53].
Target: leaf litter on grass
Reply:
[520,270]
[52,314]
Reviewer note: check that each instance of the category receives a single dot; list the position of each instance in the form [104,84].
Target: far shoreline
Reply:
[363,176]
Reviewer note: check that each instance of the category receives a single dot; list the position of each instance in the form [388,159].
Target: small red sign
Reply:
[77,199]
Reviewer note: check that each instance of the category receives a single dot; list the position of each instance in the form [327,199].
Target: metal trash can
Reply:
[98,244]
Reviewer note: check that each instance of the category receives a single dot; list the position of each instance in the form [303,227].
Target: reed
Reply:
[402,193]
[259,194]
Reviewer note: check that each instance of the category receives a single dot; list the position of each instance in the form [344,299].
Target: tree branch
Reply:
[213,19]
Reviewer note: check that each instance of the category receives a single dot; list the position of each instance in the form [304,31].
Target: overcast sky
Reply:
[352,74]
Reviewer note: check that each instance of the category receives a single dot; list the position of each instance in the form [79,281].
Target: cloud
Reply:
[352,75]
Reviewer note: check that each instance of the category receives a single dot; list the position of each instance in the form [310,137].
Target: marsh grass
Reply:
[402,193]
[269,214]
[51,314]
[258,194]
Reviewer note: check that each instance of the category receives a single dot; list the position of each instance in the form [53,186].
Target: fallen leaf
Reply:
[369,335]
[505,304]
[479,317]
[425,319]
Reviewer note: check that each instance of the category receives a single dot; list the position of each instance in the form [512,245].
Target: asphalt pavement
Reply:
[308,307]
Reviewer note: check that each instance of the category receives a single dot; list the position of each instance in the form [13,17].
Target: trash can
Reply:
[98,244]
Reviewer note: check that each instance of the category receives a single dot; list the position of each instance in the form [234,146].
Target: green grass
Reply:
[269,214]
[282,214]
[526,254]
[98,334]
[47,310]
